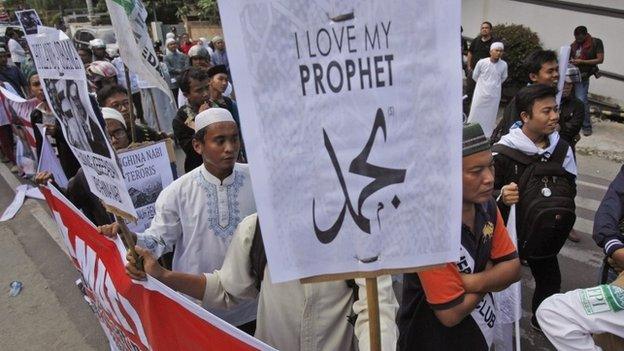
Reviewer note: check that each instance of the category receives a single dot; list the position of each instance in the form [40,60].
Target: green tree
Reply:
[519,42]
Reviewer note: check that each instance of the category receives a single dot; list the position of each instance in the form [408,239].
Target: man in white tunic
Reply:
[291,316]
[489,73]
[199,212]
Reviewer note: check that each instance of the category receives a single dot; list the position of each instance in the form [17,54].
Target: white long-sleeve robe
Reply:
[489,77]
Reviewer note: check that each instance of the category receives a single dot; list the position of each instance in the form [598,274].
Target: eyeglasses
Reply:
[125,104]
[118,134]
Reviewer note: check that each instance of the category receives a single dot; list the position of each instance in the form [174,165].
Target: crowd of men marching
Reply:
[205,240]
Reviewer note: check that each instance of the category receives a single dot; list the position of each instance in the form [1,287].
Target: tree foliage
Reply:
[519,42]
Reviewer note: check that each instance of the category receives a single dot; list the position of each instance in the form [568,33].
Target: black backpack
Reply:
[546,210]
[257,256]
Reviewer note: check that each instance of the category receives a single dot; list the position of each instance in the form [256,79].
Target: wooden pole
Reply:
[372,297]
[131,102]
[128,240]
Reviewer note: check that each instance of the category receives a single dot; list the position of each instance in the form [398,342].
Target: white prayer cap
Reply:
[169,41]
[203,40]
[212,115]
[170,36]
[111,113]
[497,45]
[97,43]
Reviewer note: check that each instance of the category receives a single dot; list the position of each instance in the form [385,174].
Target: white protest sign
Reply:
[351,113]
[63,77]
[564,57]
[135,46]
[147,171]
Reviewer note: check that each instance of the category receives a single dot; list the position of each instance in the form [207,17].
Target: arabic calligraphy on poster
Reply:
[355,145]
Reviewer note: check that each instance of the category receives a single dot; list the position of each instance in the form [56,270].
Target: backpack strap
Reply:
[560,152]
[513,154]
[257,256]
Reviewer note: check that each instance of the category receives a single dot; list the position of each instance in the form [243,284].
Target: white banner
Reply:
[64,80]
[135,46]
[48,161]
[147,171]
[355,145]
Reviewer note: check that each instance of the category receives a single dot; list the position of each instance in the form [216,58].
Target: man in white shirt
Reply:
[18,54]
[199,212]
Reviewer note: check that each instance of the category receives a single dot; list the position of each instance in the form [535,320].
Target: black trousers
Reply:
[547,279]
[249,327]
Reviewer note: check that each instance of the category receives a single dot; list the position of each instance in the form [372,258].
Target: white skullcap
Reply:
[170,36]
[169,41]
[97,43]
[111,113]
[211,116]
[497,45]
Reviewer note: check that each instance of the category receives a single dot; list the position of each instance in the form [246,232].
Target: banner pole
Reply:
[128,240]
[372,298]
[151,95]
[131,102]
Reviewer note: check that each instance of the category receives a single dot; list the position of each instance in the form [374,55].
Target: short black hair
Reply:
[184,81]
[580,30]
[533,63]
[199,135]
[108,91]
[85,49]
[488,23]
[526,96]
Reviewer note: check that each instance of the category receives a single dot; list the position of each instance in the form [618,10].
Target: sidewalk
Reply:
[49,313]
[607,141]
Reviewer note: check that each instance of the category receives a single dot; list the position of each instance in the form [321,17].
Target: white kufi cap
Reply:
[169,41]
[212,115]
[497,45]
[111,113]
[170,36]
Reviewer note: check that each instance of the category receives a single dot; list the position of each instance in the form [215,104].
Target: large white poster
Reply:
[351,114]
[65,83]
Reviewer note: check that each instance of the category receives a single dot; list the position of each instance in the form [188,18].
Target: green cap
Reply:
[474,139]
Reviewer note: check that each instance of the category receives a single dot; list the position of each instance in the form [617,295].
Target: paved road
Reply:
[50,314]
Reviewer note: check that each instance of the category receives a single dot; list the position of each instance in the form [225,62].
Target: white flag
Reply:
[509,300]
[135,46]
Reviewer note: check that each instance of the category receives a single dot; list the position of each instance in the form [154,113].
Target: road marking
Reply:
[588,204]
[584,225]
[582,255]
[592,185]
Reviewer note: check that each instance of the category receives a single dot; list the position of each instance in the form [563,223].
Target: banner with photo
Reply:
[65,85]
[137,315]
[147,171]
[136,49]
[29,20]
[357,140]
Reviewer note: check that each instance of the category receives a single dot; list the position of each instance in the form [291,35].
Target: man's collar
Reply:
[214,180]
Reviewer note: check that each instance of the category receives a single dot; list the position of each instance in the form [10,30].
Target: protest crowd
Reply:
[203,236]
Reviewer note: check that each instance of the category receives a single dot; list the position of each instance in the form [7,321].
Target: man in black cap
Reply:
[218,83]
[452,307]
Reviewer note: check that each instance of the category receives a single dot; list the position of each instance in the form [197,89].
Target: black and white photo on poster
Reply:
[29,19]
[68,102]
[65,87]
[147,171]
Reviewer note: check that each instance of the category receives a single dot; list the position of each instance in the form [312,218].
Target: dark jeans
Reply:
[547,279]
[581,91]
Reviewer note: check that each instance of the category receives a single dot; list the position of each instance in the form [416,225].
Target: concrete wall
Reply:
[554,27]
[199,29]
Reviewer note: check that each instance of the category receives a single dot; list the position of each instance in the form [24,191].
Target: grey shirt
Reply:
[176,62]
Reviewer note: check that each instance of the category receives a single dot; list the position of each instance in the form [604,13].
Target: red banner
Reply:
[137,315]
